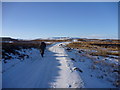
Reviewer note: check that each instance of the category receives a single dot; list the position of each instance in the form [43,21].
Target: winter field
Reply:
[66,64]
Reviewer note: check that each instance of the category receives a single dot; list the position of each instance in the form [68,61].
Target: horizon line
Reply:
[56,37]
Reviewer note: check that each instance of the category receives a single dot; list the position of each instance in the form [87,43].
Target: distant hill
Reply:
[8,39]
[63,38]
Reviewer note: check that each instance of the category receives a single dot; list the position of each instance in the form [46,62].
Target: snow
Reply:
[36,72]
[67,78]
[93,74]
[89,82]
[58,68]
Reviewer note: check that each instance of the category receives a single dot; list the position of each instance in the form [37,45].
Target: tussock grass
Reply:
[104,53]
[101,48]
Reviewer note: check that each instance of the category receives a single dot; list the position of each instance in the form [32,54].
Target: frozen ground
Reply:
[59,68]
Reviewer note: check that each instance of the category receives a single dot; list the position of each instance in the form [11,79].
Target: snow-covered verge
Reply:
[97,71]
[15,71]
[24,54]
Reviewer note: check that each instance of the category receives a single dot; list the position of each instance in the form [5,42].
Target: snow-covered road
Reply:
[55,70]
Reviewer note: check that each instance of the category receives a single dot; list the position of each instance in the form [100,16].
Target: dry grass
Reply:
[104,53]
[102,48]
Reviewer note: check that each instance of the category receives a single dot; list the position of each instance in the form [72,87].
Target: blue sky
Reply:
[31,20]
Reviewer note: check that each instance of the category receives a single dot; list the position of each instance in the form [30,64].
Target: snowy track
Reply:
[52,71]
